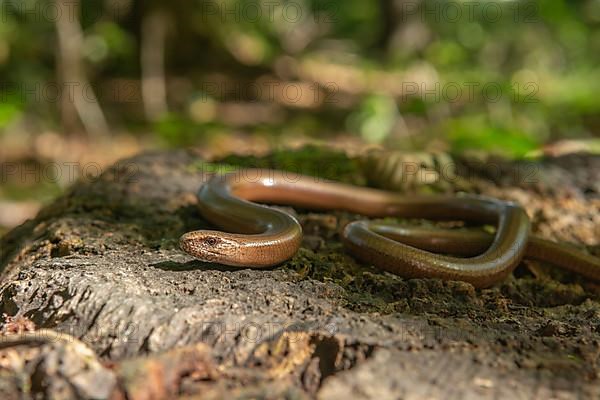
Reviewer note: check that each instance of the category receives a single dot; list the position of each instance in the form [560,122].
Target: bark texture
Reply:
[101,266]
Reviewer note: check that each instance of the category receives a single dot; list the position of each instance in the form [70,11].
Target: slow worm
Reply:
[259,236]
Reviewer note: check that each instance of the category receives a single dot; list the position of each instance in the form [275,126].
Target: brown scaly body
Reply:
[263,237]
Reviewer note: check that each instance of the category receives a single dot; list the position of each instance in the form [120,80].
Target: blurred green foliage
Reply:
[502,76]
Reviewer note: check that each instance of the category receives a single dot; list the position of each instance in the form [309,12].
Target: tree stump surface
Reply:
[101,266]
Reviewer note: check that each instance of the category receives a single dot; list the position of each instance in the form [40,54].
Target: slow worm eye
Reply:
[211,241]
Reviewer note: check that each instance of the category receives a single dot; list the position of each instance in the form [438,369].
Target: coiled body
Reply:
[258,236]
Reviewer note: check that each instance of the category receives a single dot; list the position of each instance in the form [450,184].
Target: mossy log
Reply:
[101,265]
